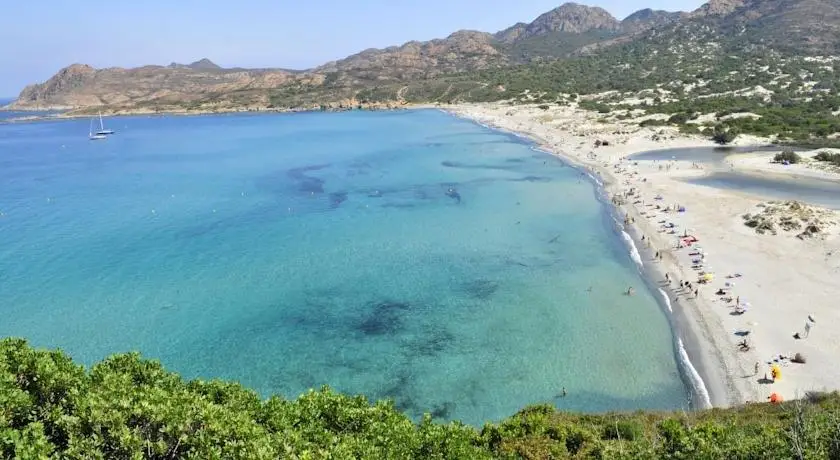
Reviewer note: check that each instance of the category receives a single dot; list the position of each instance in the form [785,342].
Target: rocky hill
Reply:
[737,27]
[80,85]
[572,18]
[648,18]
[201,64]
[464,50]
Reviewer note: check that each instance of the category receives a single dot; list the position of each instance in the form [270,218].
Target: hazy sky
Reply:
[39,37]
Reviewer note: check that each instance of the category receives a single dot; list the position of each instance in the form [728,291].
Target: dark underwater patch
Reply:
[532,179]
[337,198]
[305,183]
[385,318]
[480,289]
[456,164]
[443,411]
[430,344]
[399,392]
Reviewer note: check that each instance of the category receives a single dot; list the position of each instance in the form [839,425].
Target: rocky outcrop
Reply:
[572,18]
[512,33]
[83,86]
[719,7]
[462,51]
[201,64]
[54,91]
[647,19]
[796,26]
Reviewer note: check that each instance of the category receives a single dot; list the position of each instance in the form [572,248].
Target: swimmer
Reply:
[630,291]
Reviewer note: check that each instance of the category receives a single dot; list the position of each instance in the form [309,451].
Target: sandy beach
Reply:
[761,163]
[780,280]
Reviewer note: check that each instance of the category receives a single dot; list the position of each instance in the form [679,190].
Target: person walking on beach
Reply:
[696,293]
[756,368]
[807,329]
[668,279]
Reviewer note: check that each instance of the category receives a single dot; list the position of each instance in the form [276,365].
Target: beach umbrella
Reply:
[811,318]
[776,371]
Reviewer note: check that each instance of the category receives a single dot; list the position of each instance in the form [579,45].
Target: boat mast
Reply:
[101,126]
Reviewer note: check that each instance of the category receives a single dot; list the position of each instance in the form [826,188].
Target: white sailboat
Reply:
[92,136]
[102,131]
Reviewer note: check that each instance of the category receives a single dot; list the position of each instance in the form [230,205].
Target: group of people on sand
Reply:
[687,287]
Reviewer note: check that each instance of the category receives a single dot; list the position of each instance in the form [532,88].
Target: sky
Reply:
[40,37]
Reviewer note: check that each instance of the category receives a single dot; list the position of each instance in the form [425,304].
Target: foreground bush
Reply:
[833,158]
[723,135]
[129,408]
[788,156]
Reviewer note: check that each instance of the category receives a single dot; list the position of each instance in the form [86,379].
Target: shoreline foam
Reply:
[709,331]
[699,395]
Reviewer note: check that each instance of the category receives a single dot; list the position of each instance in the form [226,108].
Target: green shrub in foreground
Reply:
[828,157]
[127,407]
[724,135]
[787,156]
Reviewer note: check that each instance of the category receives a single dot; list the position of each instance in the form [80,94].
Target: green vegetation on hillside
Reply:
[127,407]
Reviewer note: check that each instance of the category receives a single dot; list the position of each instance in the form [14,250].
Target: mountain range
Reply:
[794,27]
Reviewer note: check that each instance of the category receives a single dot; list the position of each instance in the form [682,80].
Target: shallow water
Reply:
[9,114]
[699,154]
[815,191]
[291,251]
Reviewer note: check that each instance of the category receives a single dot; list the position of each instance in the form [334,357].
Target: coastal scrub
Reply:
[129,407]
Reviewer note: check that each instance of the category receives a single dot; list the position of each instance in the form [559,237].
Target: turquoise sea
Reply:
[407,255]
